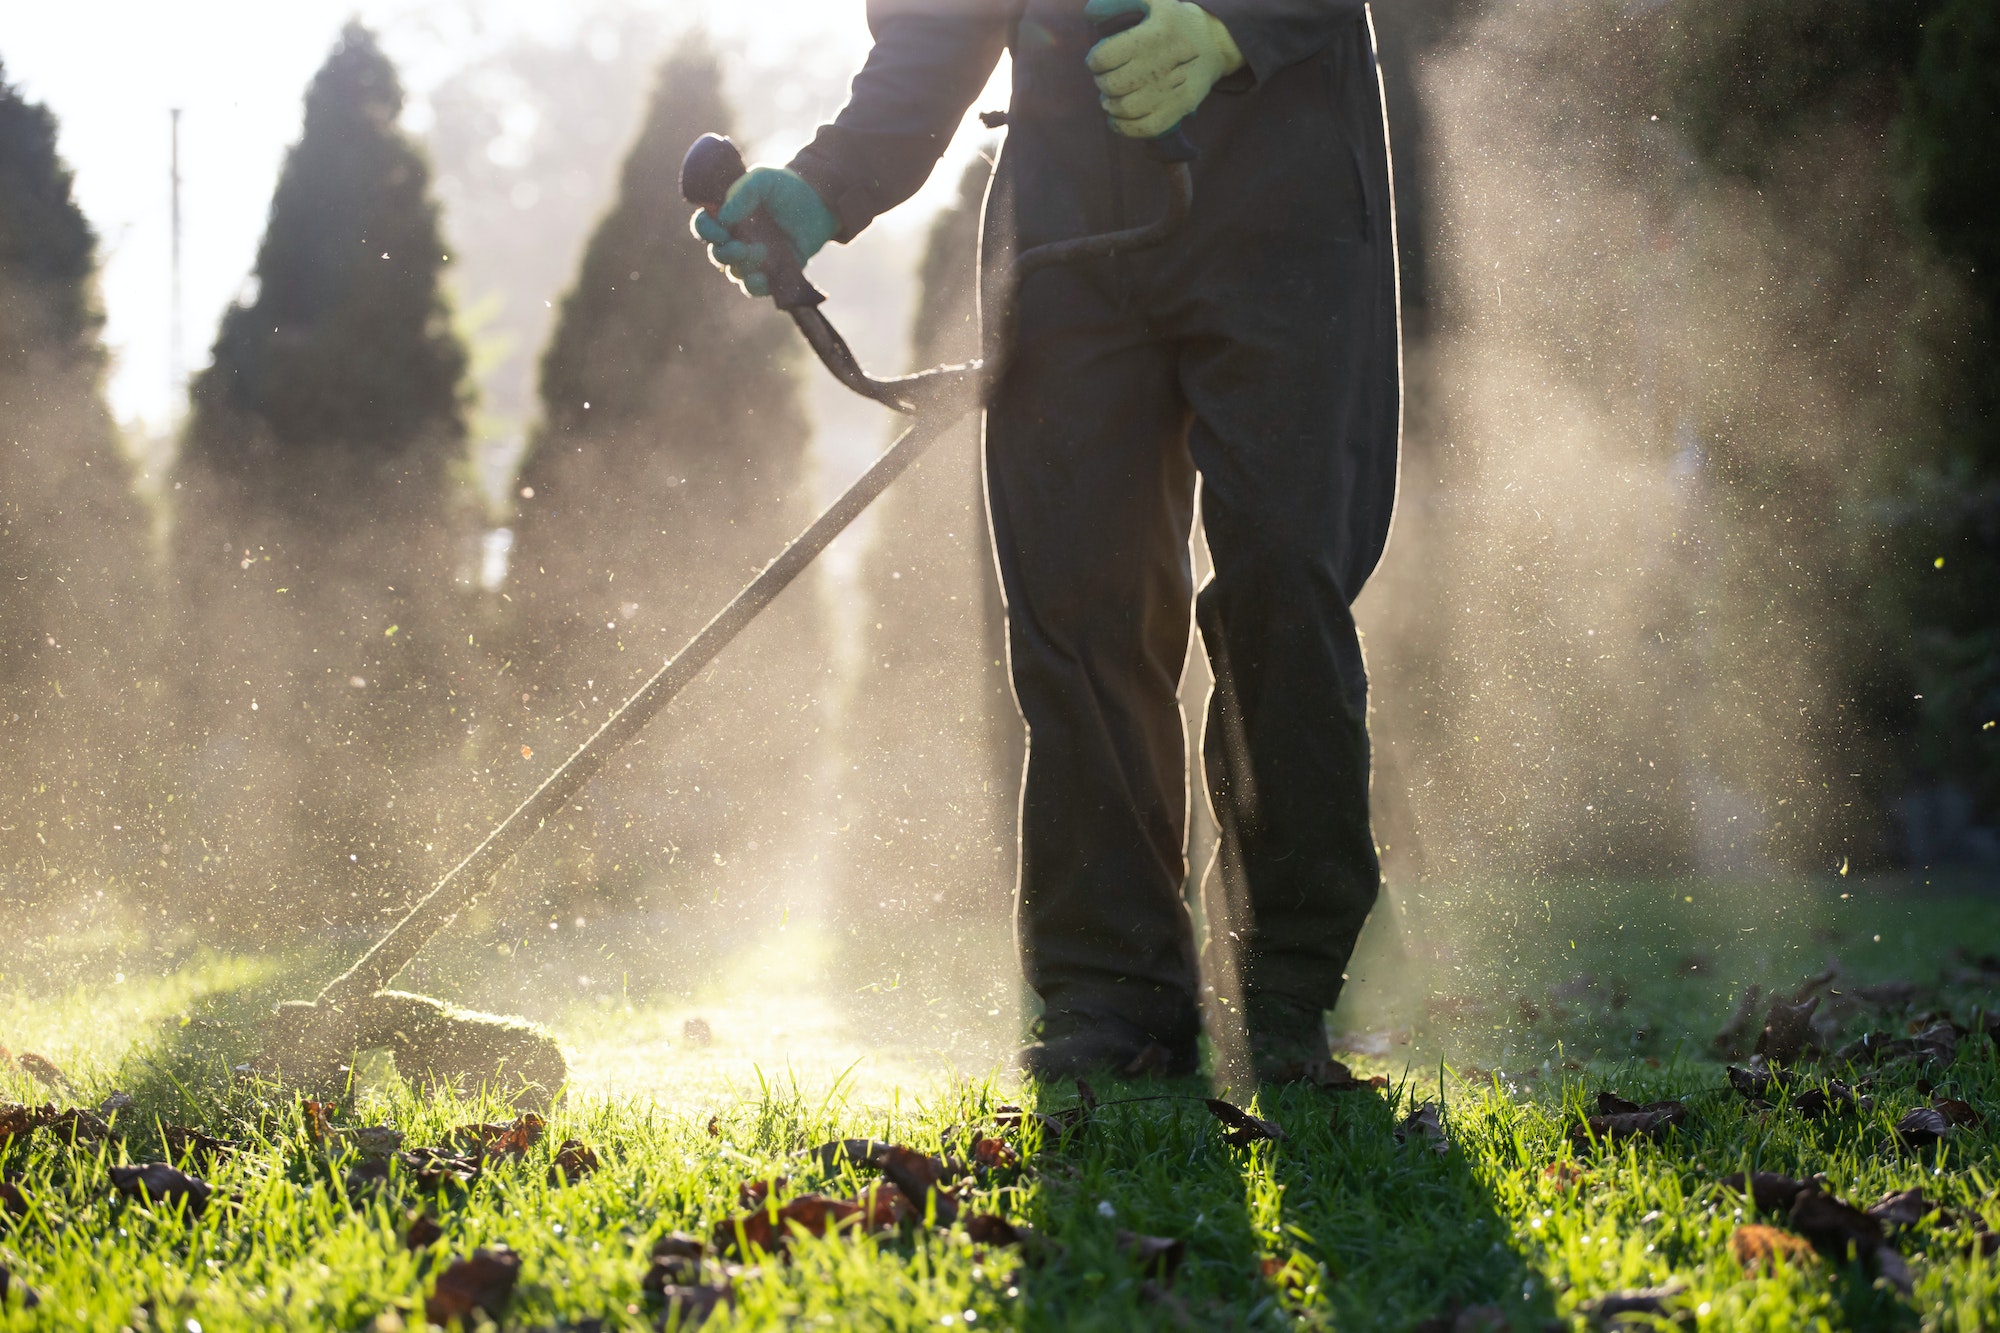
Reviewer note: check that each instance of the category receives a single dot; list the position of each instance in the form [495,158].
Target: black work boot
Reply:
[1080,1045]
[1288,1041]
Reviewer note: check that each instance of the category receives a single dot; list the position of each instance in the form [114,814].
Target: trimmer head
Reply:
[435,1045]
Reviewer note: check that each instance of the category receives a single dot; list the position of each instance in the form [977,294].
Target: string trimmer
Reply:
[311,1040]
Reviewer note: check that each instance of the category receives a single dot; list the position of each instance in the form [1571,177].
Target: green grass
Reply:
[1336,1226]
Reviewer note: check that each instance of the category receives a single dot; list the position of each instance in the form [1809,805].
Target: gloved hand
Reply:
[1153,76]
[794,205]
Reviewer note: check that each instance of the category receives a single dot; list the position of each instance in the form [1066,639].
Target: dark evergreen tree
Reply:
[669,465]
[78,659]
[321,529]
[933,729]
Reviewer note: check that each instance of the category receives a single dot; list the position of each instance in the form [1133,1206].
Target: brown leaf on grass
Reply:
[770,1230]
[1787,1030]
[8,1286]
[1887,994]
[693,1305]
[676,1261]
[1811,1097]
[156,1182]
[1757,1247]
[318,1118]
[993,1229]
[918,1176]
[423,1230]
[194,1146]
[574,1161]
[1735,1034]
[1086,1096]
[18,1121]
[1903,1208]
[484,1283]
[1564,1175]
[715,1127]
[1986,1243]
[857,1153]
[1923,1127]
[44,1071]
[754,1193]
[434,1167]
[884,1206]
[1961,1114]
[986,1153]
[1424,1122]
[1157,1256]
[1936,1043]
[1834,1227]
[12,1201]
[1641,1300]
[1242,1128]
[1769,1192]
[1651,1121]
[697,1032]
[513,1141]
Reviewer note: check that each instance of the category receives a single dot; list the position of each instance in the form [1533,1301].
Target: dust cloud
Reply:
[1622,633]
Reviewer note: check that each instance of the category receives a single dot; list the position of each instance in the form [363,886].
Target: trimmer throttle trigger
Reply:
[1174,145]
[711,166]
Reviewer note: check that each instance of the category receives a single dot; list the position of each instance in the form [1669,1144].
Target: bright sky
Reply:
[238,69]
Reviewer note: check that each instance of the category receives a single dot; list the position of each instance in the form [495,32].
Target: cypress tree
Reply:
[934,730]
[320,524]
[668,466]
[77,660]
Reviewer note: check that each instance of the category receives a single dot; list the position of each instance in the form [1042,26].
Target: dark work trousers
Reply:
[1258,350]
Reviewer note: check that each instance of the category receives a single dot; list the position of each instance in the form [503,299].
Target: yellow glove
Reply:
[1153,76]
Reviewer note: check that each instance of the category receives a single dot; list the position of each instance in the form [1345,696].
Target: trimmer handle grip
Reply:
[711,166]
[1174,145]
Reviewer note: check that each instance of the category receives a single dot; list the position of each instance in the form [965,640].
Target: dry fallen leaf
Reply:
[318,1117]
[1903,1208]
[514,1140]
[156,1182]
[1787,1030]
[1424,1121]
[433,1167]
[1923,1127]
[1768,1191]
[12,1201]
[194,1146]
[1243,1129]
[1757,1247]
[1961,1114]
[45,1072]
[1834,1227]
[993,1229]
[1563,1175]
[770,1229]
[918,1176]
[1618,1119]
[696,1032]
[422,1232]
[574,1161]
[484,1282]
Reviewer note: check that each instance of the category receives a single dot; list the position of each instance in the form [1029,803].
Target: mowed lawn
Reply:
[1141,1212]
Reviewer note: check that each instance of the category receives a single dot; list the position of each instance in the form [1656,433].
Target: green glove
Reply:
[794,205]
[1153,76]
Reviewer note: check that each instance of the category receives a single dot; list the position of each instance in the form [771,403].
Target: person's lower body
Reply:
[1258,352]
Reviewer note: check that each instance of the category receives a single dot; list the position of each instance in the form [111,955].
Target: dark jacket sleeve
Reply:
[1272,34]
[931,58]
